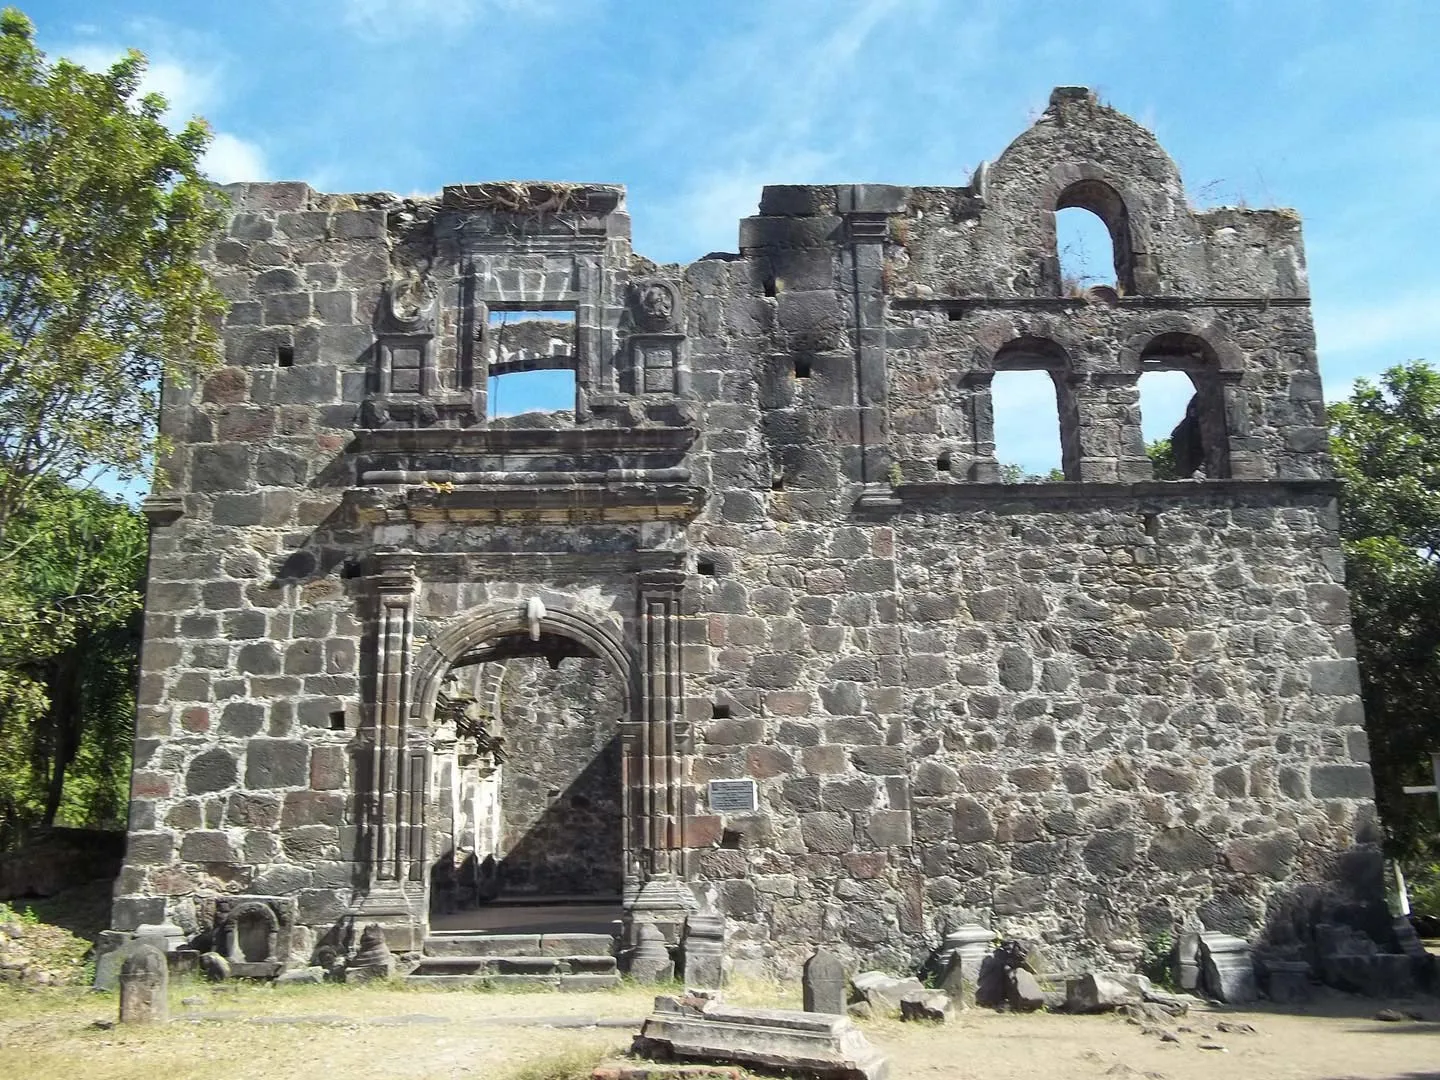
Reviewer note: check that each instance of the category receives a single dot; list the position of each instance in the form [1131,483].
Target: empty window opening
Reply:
[730,839]
[1027,427]
[337,720]
[1189,414]
[531,361]
[802,367]
[1092,239]
[942,463]
[1083,245]
[1152,524]
[1164,398]
[284,355]
[955,314]
[719,711]
[350,568]
[705,567]
[777,480]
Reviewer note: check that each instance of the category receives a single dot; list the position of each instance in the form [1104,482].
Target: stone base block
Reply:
[815,1045]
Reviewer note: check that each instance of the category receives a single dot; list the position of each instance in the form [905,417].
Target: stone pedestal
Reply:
[650,961]
[1227,971]
[704,952]
[373,959]
[144,986]
[962,954]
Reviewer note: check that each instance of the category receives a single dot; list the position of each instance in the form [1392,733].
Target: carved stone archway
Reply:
[644,655]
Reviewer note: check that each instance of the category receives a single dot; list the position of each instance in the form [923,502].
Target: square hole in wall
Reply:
[337,720]
[531,359]
[285,355]
[705,566]
[719,711]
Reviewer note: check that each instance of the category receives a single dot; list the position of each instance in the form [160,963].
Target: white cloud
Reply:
[1374,329]
[190,91]
[232,159]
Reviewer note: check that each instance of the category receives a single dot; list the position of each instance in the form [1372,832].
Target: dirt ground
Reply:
[369,1033]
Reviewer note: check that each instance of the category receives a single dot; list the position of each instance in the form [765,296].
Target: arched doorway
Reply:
[529,810]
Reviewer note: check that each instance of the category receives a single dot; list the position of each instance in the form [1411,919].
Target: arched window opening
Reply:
[1032,443]
[1083,245]
[1164,399]
[1081,233]
[530,364]
[1027,431]
[1178,366]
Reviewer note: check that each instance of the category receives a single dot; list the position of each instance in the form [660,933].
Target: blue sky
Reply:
[1328,107]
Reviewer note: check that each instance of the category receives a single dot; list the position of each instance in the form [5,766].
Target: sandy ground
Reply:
[374,1033]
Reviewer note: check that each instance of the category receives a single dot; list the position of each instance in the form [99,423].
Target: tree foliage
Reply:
[103,211]
[69,636]
[1386,443]
[103,215]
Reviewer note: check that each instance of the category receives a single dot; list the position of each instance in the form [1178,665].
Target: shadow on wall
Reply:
[573,848]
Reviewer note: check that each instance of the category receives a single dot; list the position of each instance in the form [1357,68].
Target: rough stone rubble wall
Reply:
[1082,713]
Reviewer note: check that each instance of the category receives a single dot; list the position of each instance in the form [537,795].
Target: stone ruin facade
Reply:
[756,629]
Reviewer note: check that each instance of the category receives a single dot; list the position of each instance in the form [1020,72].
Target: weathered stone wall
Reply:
[1082,711]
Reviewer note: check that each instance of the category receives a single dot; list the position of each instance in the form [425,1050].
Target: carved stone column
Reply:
[866,209]
[660,742]
[394,804]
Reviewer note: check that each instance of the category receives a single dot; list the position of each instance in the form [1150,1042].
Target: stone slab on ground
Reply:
[647,1071]
[814,1045]
[884,992]
[1101,991]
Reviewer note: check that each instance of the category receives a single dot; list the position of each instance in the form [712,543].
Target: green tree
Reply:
[103,213]
[1386,443]
[69,635]
[103,216]
[1162,458]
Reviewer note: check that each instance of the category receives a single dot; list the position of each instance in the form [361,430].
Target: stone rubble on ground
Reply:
[932,1005]
[883,992]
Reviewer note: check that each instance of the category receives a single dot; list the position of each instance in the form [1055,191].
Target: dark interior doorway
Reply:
[529,791]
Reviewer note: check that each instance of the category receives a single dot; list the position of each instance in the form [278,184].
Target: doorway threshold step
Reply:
[565,983]
[515,965]
[470,943]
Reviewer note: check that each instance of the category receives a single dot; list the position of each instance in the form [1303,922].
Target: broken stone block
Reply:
[1289,982]
[704,951]
[1101,991]
[144,987]
[373,960]
[932,1005]
[301,976]
[806,1044]
[883,992]
[651,960]
[824,983]
[1381,975]
[1025,993]
[1227,972]
[214,967]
